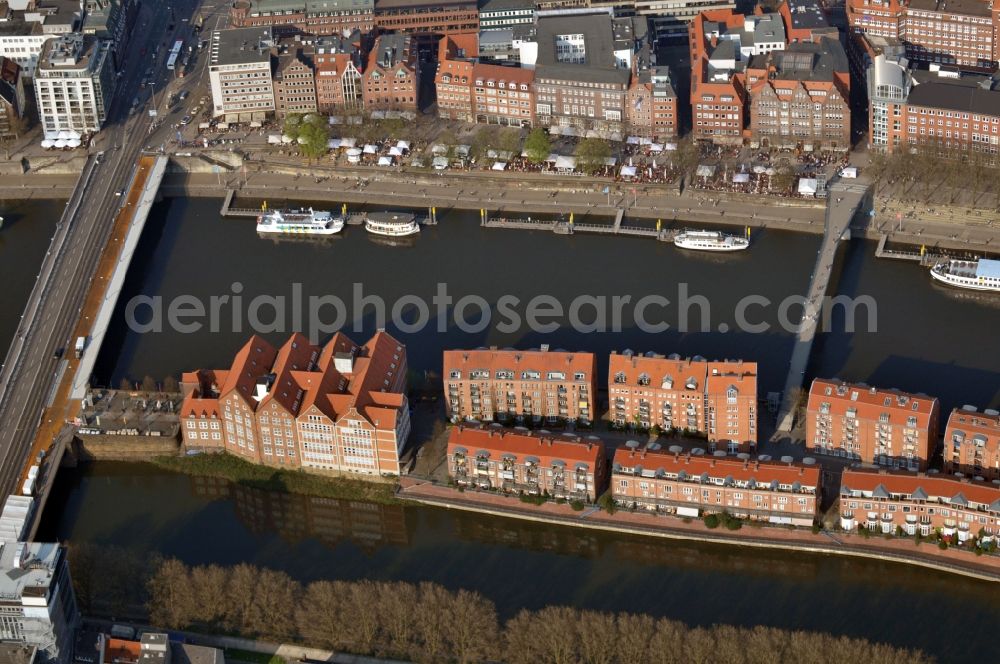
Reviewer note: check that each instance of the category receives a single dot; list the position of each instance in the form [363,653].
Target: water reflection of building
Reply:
[524,535]
[297,517]
[702,558]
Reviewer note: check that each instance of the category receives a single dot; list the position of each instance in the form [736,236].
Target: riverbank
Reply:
[986,568]
[238,471]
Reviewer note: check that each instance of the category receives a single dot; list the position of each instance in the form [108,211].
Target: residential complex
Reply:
[36,599]
[972,443]
[315,17]
[474,91]
[240,74]
[694,395]
[74,81]
[946,32]
[533,386]
[692,486]
[338,408]
[518,461]
[11,97]
[939,109]
[918,503]
[884,427]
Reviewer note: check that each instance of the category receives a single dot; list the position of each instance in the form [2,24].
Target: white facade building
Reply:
[74,82]
[239,72]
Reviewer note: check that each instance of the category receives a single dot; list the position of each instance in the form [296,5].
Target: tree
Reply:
[148,384]
[591,154]
[124,384]
[538,146]
[510,142]
[607,503]
[711,520]
[170,384]
[484,140]
[174,603]
[313,137]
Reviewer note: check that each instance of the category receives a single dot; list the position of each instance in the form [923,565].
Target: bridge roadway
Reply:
[56,301]
[842,204]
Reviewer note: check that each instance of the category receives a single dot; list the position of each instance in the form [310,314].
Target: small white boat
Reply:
[710,241]
[979,275]
[392,224]
[299,222]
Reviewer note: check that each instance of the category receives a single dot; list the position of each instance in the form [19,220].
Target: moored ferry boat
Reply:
[980,275]
[299,222]
[392,224]
[710,241]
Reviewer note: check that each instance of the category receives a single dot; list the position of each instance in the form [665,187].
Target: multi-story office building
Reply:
[580,84]
[294,80]
[390,79]
[916,503]
[801,96]
[934,109]
[74,81]
[505,14]
[537,463]
[691,486]
[972,443]
[11,97]
[503,95]
[339,63]
[36,599]
[952,32]
[430,17]
[537,386]
[717,399]
[339,408]
[651,103]
[806,21]
[884,427]
[669,19]
[240,74]
[721,45]
[453,80]
[111,19]
[311,17]
[22,42]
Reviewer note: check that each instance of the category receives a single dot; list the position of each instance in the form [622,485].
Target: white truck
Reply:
[28,488]
[81,343]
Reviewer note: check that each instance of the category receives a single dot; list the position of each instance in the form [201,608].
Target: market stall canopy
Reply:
[440,163]
[807,186]
[705,170]
[499,165]
[371,149]
[385,161]
[741,177]
[627,172]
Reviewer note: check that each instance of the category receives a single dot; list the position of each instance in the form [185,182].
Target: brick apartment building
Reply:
[240,74]
[453,80]
[339,65]
[564,466]
[294,80]
[801,95]
[651,102]
[337,408]
[948,32]
[721,44]
[11,97]
[390,79]
[972,443]
[941,109]
[883,501]
[537,386]
[872,425]
[438,17]
[691,486]
[311,17]
[717,399]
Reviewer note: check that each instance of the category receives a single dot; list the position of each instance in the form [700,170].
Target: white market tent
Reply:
[705,170]
[440,163]
[656,147]
[671,147]
[395,152]
[74,143]
[849,172]
[47,143]
[286,139]
[385,161]
[370,149]
[403,145]
[439,149]
[462,150]
[610,161]
[633,140]
[499,165]
[333,143]
[335,120]
[273,139]
[348,142]
[807,186]
[627,172]
[757,168]
[354,155]
[564,163]
[741,177]
[59,143]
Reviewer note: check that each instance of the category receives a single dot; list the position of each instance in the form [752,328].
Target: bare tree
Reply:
[174,603]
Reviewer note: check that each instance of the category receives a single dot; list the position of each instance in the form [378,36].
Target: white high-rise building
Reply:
[74,82]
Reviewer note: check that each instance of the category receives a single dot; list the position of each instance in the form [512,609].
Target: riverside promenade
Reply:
[894,549]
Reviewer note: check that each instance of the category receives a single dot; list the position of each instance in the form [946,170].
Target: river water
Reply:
[519,564]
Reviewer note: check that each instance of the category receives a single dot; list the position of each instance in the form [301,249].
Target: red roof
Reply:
[546,448]
[762,472]
[933,486]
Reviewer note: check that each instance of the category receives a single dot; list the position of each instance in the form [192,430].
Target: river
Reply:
[519,564]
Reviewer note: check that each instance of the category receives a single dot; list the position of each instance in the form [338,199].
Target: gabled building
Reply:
[534,463]
[453,80]
[872,425]
[11,97]
[339,408]
[390,79]
[294,80]
[972,443]
[651,104]
[716,399]
[339,64]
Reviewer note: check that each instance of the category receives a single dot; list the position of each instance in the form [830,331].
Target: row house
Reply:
[918,504]
[311,17]
[523,386]
[294,82]
[12,98]
[519,461]
[692,486]
[428,17]
[339,64]
[872,425]
[801,95]
[503,95]
[453,80]
[717,399]
[937,109]
[962,33]
[339,408]
[972,443]
[390,79]
[580,83]
[651,103]
[721,44]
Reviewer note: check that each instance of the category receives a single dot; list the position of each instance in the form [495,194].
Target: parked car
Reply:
[186,120]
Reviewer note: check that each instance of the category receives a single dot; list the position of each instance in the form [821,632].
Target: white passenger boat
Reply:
[980,275]
[299,222]
[392,224]
[710,241]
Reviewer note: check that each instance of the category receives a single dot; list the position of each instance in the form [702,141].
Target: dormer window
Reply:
[620,378]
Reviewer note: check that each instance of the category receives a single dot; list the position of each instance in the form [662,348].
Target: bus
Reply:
[175,53]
